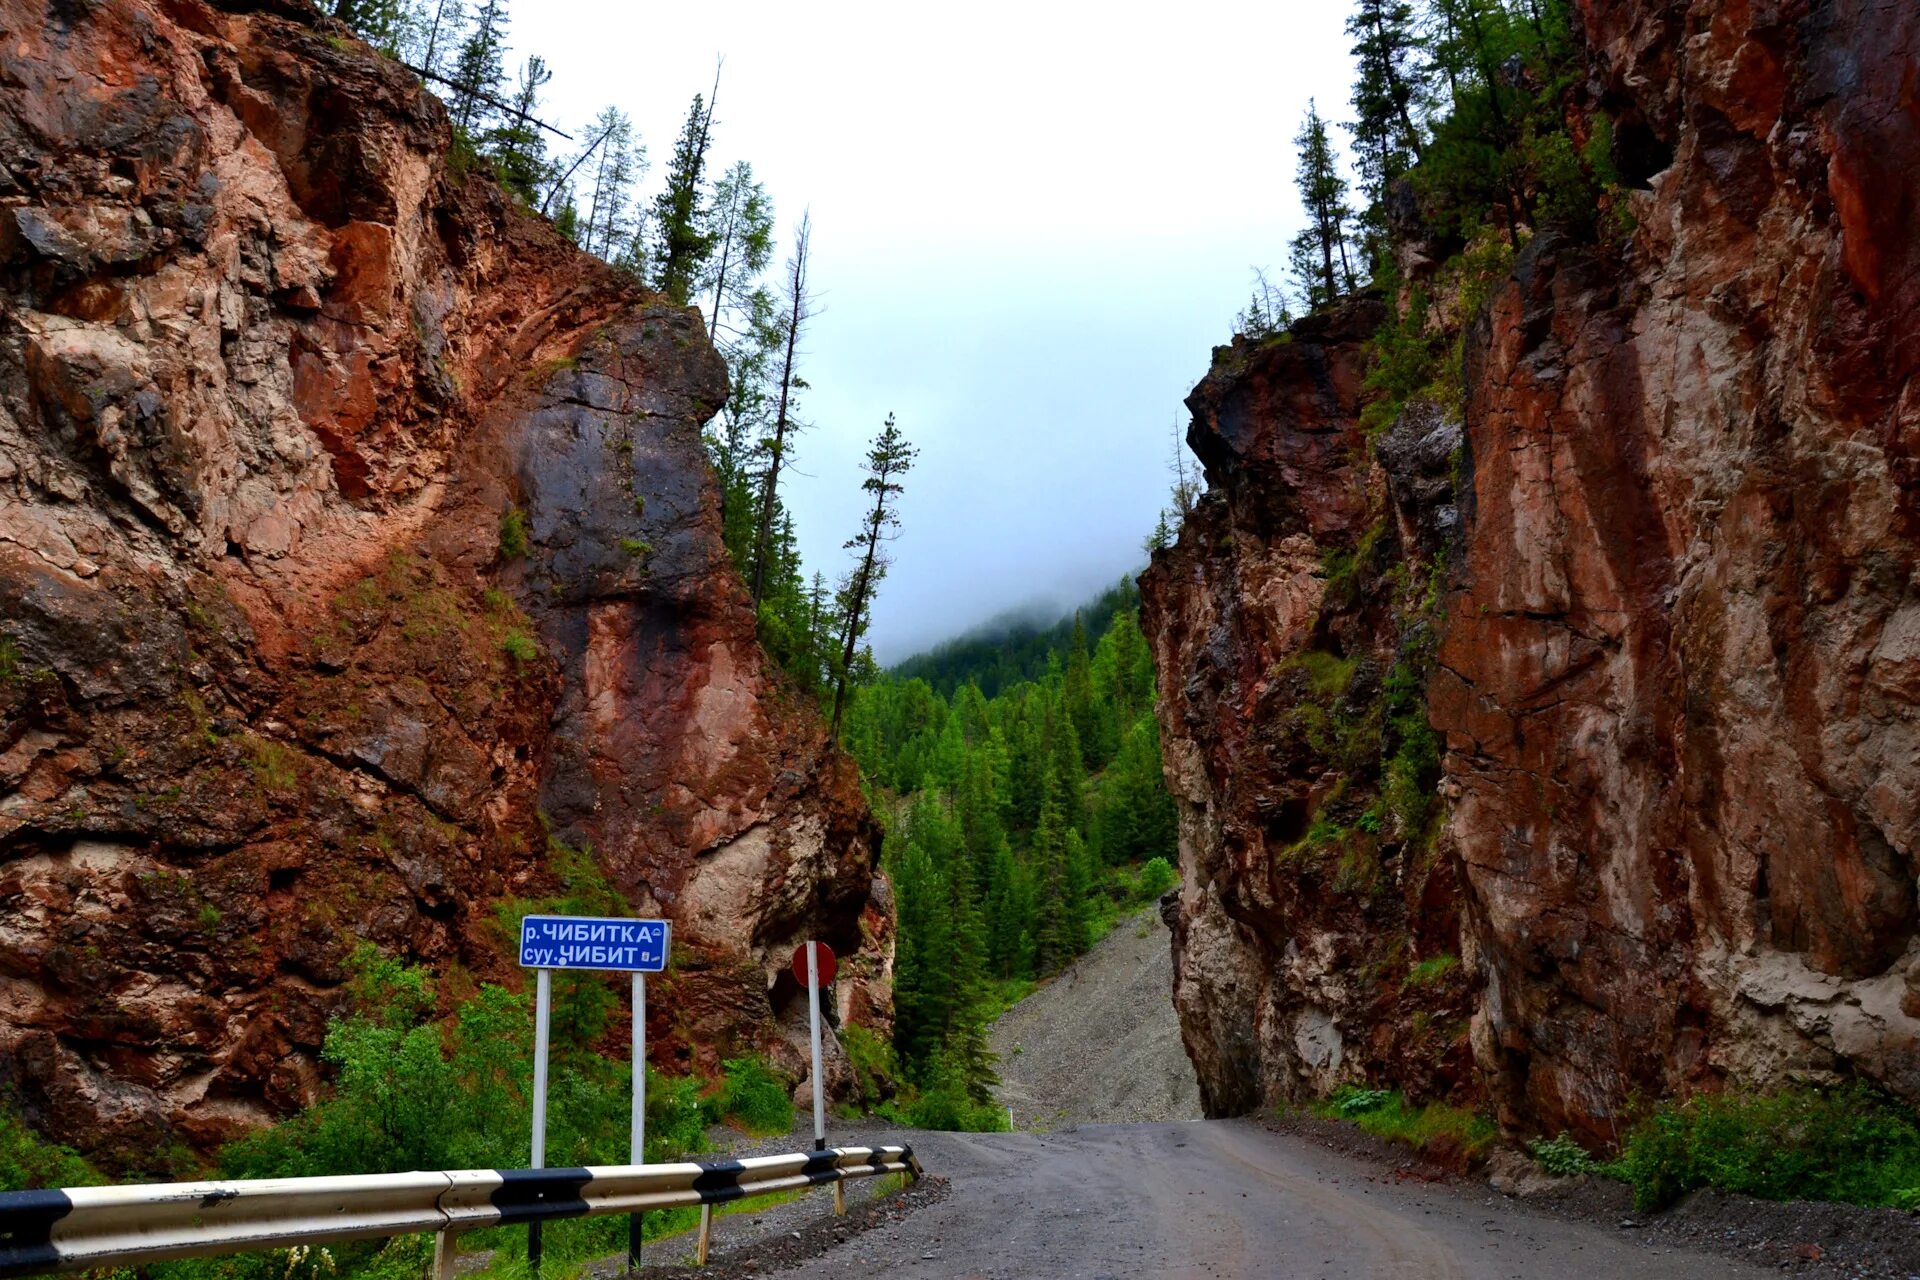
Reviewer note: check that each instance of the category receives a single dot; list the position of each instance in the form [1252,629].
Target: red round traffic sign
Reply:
[822,959]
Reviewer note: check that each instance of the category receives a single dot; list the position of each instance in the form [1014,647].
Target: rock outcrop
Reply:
[1676,627]
[360,575]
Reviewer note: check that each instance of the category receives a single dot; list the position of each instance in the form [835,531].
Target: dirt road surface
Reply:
[1224,1198]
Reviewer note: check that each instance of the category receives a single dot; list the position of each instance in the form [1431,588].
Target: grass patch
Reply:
[1328,675]
[9,661]
[520,646]
[636,547]
[754,1098]
[275,768]
[1430,970]
[1849,1144]
[1385,1113]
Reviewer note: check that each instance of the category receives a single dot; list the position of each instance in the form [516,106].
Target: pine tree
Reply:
[442,38]
[1078,692]
[1267,313]
[519,151]
[1052,924]
[1318,255]
[1079,881]
[1008,927]
[889,458]
[479,70]
[682,242]
[1387,142]
[379,22]
[741,224]
[796,309]
[608,228]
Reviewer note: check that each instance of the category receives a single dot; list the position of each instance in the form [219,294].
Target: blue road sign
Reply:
[591,942]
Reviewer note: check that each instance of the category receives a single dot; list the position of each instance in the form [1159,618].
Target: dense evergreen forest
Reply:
[1019,823]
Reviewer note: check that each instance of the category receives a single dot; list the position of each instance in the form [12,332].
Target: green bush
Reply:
[874,1070]
[754,1098]
[1849,1144]
[1384,1113]
[29,1162]
[1156,877]
[513,534]
[520,646]
[1350,1100]
[1563,1156]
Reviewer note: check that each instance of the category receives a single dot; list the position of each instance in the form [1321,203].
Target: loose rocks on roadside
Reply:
[776,1253]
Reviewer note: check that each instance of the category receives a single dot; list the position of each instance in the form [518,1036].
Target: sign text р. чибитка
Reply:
[588,942]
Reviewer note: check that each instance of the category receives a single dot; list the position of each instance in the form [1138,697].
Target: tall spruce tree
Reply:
[682,241]
[1387,142]
[480,69]
[795,310]
[518,149]
[889,458]
[741,222]
[608,226]
[1318,255]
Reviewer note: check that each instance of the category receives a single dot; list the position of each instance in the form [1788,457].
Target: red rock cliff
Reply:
[357,551]
[1673,650]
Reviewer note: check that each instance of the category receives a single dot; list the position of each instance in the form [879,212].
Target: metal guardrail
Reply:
[87,1227]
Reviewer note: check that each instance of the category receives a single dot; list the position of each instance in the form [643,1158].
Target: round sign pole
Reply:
[542,1016]
[813,1013]
[637,1140]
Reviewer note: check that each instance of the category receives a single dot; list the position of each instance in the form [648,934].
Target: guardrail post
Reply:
[445,1255]
[840,1199]
[705,1240]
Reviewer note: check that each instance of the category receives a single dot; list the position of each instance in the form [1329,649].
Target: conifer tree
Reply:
[1387,142]
[1007,955]
[608,227]
[379,22]
[479,70]
[1052,925]
[1318,255]
[796,309]
[1078,692]
[1079,882]
[682,242]
[742,229]
[518,149]
[889,458]
[441,41]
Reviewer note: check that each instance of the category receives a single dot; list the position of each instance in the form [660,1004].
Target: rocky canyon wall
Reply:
[1656,588]
[360,575]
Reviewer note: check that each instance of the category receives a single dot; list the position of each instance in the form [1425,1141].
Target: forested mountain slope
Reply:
[1018,824]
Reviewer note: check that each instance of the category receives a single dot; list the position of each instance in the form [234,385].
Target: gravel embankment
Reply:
[1099,1044]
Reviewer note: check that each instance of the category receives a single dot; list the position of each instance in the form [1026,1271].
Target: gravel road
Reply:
[1224,1198]
[1100,1043]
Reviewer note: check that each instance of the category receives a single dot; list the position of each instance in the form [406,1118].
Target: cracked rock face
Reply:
[1680,634]
[357,552]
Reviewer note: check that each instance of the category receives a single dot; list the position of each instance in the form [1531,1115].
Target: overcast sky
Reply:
[1032,222]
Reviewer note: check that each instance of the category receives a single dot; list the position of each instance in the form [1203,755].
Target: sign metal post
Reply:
[542,1018]
[814,965]
[638,947]
[637,1141]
